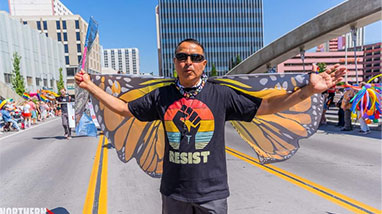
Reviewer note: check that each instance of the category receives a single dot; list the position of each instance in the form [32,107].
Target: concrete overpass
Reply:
[328,25]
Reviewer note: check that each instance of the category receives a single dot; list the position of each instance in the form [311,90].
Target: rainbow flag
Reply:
[42,97]
[26,96]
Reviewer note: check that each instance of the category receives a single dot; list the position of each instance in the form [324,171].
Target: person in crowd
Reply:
[326,107]
[346,106]
[7,117]
[63,100]
[365,129]
[27,114]
[340,113]
[33,111]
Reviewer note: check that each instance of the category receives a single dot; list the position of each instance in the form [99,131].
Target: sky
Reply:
[131,23]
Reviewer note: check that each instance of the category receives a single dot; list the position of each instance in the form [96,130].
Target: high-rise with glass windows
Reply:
[125,60]
[228,30]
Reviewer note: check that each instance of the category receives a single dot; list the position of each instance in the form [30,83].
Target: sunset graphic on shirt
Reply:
[189,118]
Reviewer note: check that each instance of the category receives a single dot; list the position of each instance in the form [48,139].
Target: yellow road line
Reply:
[324,192]
[102,207]
[96,197]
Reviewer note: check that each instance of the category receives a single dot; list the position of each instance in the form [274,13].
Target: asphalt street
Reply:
[333,172]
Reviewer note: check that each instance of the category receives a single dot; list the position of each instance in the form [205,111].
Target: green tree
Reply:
[17,80]
[321,67]
[213,70]
[175,74]
[60,82]
[238,60]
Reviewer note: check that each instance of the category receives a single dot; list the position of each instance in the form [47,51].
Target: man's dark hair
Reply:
[196,42]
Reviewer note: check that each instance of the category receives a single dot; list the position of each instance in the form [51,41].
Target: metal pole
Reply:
[346,59]
[302,55]
[354,38]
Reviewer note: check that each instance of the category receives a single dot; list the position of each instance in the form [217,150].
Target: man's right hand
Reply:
[83,79]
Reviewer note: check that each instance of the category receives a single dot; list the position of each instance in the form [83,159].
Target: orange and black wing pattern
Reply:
[275,137]
[132,138]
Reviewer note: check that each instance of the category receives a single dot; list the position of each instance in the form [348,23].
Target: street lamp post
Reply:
[354,38]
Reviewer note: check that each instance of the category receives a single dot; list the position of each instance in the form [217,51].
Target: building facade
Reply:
[372,60]
[125,60]
[70,30]
[41,56]
[37,8]
[296,64]
[227,29]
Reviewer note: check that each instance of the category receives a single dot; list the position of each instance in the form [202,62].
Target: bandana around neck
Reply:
[191,92]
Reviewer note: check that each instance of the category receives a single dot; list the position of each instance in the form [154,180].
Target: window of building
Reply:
[59,37]
[7,78]
[64,24]
[46,34]
[51,83]
[78,48]
[65,36]
[66,48]
[70,72]
[45,25]
[29,81]
[38,81]
[78,36]
[58,25]
[45,82]
[25,22]
[38,25]
[77,24]
[79,59]
[67,60]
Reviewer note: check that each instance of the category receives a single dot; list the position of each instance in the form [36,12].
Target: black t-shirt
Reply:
[194,167]
[64,100]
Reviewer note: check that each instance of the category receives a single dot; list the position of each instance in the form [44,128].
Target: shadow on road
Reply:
[332,129]
[108,146]
[55,137]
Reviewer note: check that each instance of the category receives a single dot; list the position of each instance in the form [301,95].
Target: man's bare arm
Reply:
[113,103]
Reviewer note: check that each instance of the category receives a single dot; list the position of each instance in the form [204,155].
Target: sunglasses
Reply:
[194,57]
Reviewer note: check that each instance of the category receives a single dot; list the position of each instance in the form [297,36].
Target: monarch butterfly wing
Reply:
[275,137]
[132,138]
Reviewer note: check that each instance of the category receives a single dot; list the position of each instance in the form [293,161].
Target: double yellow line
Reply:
[96,197]
[342,200]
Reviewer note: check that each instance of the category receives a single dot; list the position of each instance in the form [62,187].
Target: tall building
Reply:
[41,56]
[55,20]
[125,60]
[70,30]
[37,7]
[227,29]
[372,60]
[296,64]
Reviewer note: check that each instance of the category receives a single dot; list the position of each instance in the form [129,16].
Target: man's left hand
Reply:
[323,81]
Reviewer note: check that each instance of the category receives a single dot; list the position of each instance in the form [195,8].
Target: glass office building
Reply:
[226,28]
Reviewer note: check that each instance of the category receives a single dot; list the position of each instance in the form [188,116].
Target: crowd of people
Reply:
[341,98]
[16,116]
